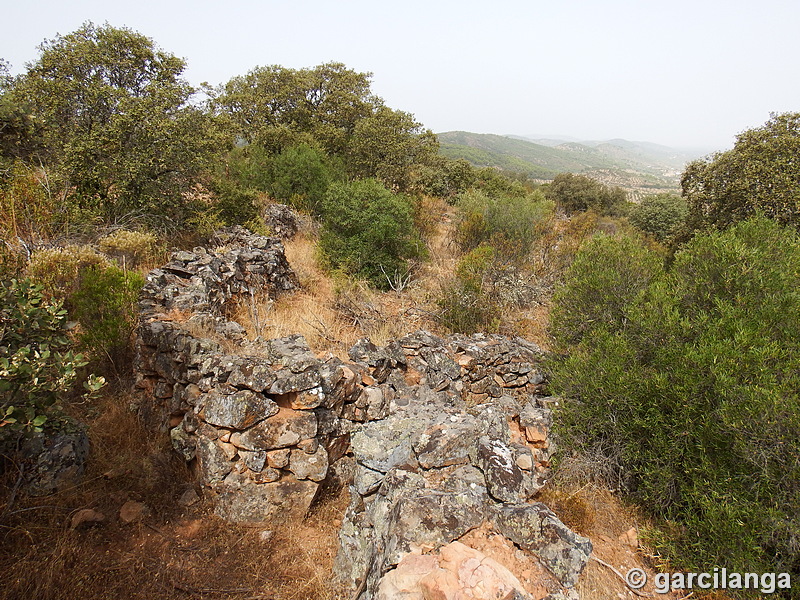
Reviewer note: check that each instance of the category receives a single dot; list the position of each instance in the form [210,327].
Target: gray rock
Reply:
[54,460]
[285,428]
[309,466]
[267,502]
[254,374]
[214,464]
[183,443]
[237,410]
[254,461]
[535,528]
[447,442]
[504,479]
[366,481]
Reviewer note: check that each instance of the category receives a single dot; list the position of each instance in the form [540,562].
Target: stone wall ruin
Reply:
[445,436]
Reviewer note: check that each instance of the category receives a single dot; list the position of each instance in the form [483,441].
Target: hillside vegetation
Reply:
[640,168]
[674,330]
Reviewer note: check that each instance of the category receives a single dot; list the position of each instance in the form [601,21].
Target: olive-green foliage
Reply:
[368,231]
[387,145]
[37,364]
[119,133]
[761,174]
[277,107]
[467,304]
[444,178]
[96,293]
[105,304]
[504,220]
[495,183]
[29,212]
[58,270]
[692,382]
[235,204]
[248,166]
[301,175]
[332,108]
[660,215]
[606,275]
[577,193]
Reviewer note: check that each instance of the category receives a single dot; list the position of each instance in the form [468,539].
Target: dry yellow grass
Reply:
[176,553]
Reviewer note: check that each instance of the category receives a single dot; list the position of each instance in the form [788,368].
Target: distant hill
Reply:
[639,167]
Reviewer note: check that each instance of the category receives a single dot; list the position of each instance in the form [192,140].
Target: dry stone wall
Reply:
[443,435]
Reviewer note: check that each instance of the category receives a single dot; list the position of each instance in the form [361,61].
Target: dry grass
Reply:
[331,312]
[176,553]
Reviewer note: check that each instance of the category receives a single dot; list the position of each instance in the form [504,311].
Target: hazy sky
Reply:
[675,72]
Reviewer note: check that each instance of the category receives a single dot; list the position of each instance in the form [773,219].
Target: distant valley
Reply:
[640,168]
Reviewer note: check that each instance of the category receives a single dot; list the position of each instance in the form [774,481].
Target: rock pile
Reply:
[444,435]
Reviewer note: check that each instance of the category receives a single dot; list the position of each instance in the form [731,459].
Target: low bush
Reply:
[688,378]
[508,222]
[368,231]
[37,364]
[100,296]
[660,215]
[466,303]
[129,248]
[300,175]
[105,305]
[58,270]
[577,193]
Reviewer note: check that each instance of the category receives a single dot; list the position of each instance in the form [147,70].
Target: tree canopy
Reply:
[761,174]
[117,125]
[577,193]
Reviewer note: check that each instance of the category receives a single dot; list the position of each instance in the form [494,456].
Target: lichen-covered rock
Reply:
[284,428]
[236,409]
[535,528]
[282,221]
[54,460]
[282,500]
[305,465]
[504,478]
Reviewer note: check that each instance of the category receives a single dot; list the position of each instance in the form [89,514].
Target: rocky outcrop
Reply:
[446,435]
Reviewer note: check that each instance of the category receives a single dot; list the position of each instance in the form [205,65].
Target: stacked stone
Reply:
[190,292]
[477,367]
[446,434]
[434,470]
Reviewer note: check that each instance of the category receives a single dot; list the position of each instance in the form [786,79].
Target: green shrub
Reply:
[577,193]
[96,294]
[467,304]
[696,391]
[759,175]
[606,275]
[37,365]
[507,221]
[660,215]
[235,204]
[368,231]
[58,270]
[105,305]
[300,175]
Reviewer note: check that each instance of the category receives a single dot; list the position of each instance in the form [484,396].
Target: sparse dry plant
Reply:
[129,248]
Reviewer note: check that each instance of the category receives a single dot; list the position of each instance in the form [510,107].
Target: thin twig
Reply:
[622,577]
[14,491]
